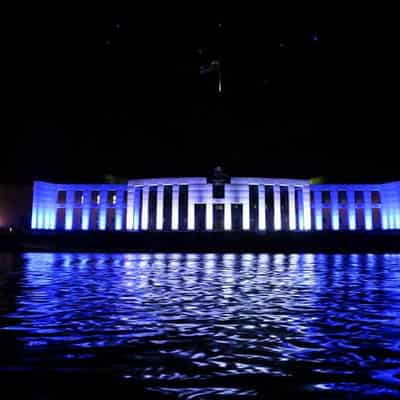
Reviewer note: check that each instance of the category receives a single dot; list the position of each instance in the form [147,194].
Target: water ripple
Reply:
[209,326]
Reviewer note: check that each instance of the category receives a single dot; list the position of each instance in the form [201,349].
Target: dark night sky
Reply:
[119,91]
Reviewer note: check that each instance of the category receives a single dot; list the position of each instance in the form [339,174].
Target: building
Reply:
[220,203]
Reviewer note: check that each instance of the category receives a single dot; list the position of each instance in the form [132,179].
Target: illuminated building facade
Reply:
[218,204]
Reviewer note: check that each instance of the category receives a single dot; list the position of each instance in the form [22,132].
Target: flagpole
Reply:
[216,67]
[219,77]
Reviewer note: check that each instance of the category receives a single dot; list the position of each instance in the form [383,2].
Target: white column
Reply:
[46,212]
[397,208]
[160,208]
[49,206]
[69,210]
[103,210]
[34,216]
[368,210]
[130,207]
[54,208]
[145,208]
[228,216]
[175,208]
[335,210]
[34,224]
[351,209]
[277,208]
[39,213]
[300,209]
[317,210]
[191,226]
[246,208]
[40,217]
[54,214]
[261,208]
[119,207]
[86,210]
[209,215]
[384,210]
[307,208]
[292,208]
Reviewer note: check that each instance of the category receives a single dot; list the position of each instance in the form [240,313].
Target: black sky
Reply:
[113,90]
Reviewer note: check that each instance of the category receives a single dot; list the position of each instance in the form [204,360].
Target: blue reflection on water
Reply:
[202,325]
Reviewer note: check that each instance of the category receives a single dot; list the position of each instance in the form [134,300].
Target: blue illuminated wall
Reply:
[44,205]
[77,206]
[391,201]
[127,207]
[363,206]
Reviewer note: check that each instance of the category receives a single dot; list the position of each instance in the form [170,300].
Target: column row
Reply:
[290,208]
[346,210]
[87,213]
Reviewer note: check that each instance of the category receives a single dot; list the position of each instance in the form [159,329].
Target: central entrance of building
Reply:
[218,217]
[200,217]
[237,217]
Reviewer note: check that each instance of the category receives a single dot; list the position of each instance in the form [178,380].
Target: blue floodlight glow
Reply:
[68,218]
[368,221]
[34,224]
[368,211]
[384,220]
[335,220]
[40,218]
[397,212]
[102,218]
[47,219]
[85,221]
[318,210]
[391,219]
[335,211]
[118,219]
[246,215]
[352,220]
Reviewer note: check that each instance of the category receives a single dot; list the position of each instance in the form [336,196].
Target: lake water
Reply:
[200,326]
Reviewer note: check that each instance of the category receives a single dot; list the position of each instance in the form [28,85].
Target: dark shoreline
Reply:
[202,242]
